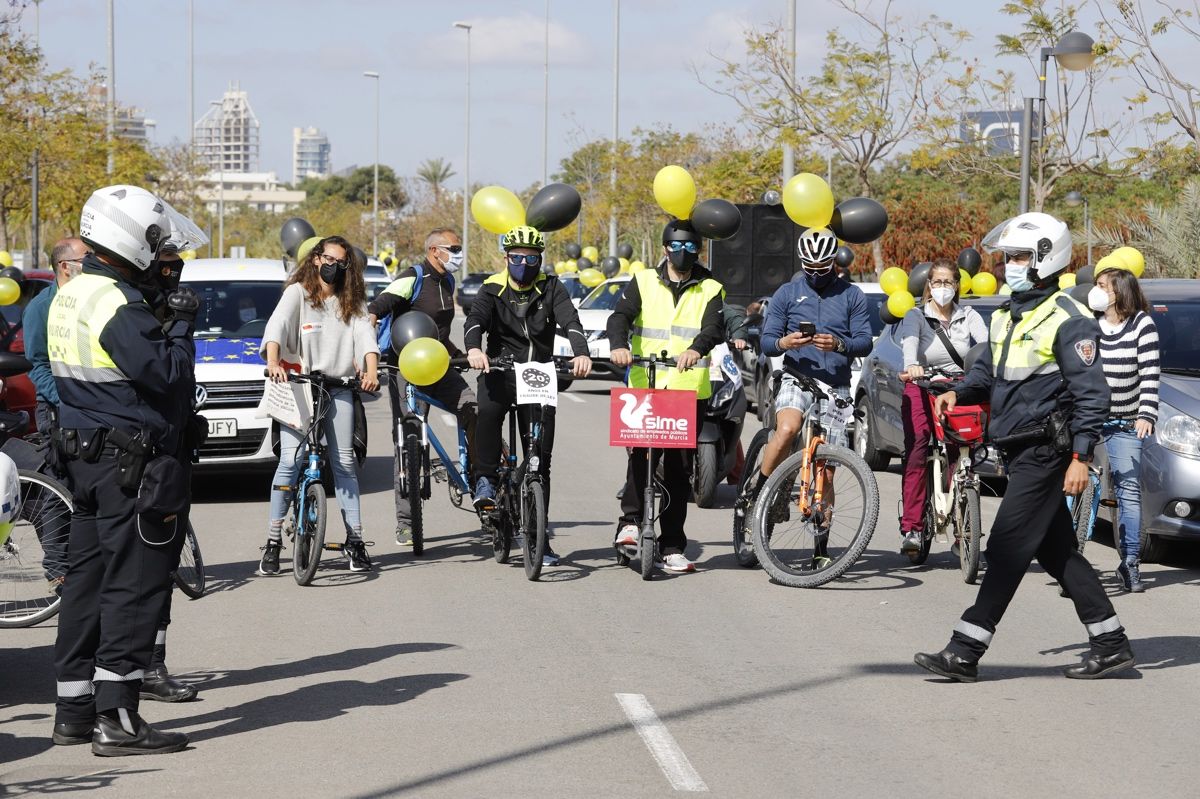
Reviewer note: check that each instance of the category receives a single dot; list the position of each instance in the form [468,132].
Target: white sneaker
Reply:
[677,563]
[627,536]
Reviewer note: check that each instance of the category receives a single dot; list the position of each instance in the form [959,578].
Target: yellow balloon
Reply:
[808,200]
[305,248]
[893,279]
[10,292]
[1131,259]
[187,255]
[900,302]
[591,277]
[624,265]
[675,191]
[983,284]
[559,267]
[1067,280]
[635,267]
[424,361]
[5,258]
[1005,290]
[497,210]
[570,265]
[965,284]
[591,253]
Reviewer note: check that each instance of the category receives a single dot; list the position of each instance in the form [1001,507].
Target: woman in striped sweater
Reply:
[1129,353]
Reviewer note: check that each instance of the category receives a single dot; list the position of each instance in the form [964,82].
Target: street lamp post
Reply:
[467,160]
[612,178]
[375,203]
[111,99]
[1075,199]
[220,178]
[789,158]
[1073,52]
[546,104]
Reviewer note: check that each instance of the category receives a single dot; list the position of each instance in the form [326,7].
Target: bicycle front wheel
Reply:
[533,528]
[413,460]
[189,575]
[310,535]
[804,540]
[33,561]
[743,538]
[969,534]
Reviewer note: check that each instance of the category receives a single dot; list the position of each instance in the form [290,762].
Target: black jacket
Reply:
[524,330]
[1079,387]
[436,299]
[712,328]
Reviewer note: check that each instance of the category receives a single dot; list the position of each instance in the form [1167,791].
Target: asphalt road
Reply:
[451,675]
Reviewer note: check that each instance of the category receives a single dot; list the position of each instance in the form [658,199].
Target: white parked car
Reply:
[375,275]
[237,296]
[594,311]
[574,287]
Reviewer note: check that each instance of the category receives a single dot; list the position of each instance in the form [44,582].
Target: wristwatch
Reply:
[1076,456]
[838,345]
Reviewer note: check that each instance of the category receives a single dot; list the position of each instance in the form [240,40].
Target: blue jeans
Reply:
[1125,465]
[339,440]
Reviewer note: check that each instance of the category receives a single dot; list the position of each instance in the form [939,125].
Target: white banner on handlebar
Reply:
[537,383]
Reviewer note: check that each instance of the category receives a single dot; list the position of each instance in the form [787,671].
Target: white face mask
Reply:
[1017,276]
[454,262]
[247,314]
[1098,299]
[942,295]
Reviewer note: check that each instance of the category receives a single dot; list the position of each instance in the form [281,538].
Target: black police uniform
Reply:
[1033,519]
[120,374]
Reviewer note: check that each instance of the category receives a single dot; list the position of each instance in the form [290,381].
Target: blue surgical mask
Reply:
[1017,277]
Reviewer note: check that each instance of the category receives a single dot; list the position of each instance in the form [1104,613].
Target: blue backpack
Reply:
[384,334]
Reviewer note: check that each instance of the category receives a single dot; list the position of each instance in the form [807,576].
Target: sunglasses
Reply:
[517,259]
[680,246]
[453,248]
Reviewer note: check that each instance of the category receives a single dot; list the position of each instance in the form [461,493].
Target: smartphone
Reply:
[807,329]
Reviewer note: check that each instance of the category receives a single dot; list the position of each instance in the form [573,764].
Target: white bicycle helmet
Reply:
[1046,238]
[10,496]
[817,245]
[127,223]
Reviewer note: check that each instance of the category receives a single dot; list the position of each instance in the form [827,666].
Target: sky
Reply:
[301,61]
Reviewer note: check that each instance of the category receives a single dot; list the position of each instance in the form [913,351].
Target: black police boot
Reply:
[160,686]
[111,739]
[1097,667]
[949,665]
[72,733]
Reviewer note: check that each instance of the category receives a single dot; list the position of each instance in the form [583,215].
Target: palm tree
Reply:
[1169,237]
[435,172]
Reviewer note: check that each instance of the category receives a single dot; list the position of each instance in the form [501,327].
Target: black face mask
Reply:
[683,261]
[820,280]
[333,274]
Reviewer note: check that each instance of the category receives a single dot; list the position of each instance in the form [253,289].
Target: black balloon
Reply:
[359,256]
[917,279]
[610,265]
[969,260]
[574,250]
[553,208]
[1080,291]
[412,325]
[844,256]
[886,316]
[13,273]
[625,250]
[716,219]
[1085,276]
[859,220]
[582,263]
[295,232]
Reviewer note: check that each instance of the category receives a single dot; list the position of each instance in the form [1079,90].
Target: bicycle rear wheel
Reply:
[743,537]
[413,479]
[1081,515]
[310,535]
[808,550]
[969,534]
[189,575]
[533,528]
[33,561]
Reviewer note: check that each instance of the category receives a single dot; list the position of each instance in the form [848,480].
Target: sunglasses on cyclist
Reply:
[453,248]
[516,259]
[680,246]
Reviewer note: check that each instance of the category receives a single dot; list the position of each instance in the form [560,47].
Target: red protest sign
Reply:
[644,417]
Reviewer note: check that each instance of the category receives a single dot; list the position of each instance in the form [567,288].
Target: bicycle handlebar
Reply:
[317,378]
[813,387]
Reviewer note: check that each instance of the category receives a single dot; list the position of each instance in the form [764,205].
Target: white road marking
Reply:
[572,397]
[670,758]
[448,418]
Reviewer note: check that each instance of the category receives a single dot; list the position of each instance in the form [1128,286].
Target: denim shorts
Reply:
[792,396]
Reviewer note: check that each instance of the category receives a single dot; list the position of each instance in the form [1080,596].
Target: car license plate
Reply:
[595,351]
[222,428]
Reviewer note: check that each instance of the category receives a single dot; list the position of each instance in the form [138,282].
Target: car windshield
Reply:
[375,270]
[1178,326]
[375,287]
[575,288]
[604,297]
[235,308]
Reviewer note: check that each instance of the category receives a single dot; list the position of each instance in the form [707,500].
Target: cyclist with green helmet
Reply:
[518,310]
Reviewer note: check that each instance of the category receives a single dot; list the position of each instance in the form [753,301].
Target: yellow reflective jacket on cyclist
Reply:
[664,324]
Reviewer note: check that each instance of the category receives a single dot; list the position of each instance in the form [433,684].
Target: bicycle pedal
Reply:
[333,547]
[1108,503]
[439,475]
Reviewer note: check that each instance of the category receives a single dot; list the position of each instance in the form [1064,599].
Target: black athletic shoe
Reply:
[356,553]
[1097,667]
[269,565]
[73,733]
[110,739]
[949,665]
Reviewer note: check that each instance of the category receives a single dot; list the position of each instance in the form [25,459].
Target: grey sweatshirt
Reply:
[318,336]
[922,345]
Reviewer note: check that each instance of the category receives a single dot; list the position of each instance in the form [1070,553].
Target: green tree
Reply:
[1168,236]
[434,172]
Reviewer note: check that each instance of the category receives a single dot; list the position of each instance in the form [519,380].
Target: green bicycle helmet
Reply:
[524,236]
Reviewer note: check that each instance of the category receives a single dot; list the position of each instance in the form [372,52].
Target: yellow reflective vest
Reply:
[78,315]
[1026,349]
[663,324]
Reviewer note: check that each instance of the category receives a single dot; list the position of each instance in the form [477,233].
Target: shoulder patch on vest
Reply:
[1086,350]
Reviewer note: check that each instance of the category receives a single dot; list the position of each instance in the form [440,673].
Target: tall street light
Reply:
[546,104]
[612,178]
[789,158]
[467,160]
[111,99]
[1073,52]
[220,179]
[1075,199]
[375,216]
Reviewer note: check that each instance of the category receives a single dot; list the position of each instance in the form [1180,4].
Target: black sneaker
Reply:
[356,553]
[269,565]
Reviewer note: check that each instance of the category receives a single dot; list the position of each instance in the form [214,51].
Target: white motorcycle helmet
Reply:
[127,223]
[10,496]
[1043,236]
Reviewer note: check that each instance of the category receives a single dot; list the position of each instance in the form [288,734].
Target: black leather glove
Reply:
[196,432]
[184,304]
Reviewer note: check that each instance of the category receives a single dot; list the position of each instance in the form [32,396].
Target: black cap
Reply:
[679,230]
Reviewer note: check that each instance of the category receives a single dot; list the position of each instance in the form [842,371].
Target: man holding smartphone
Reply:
[819,322]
